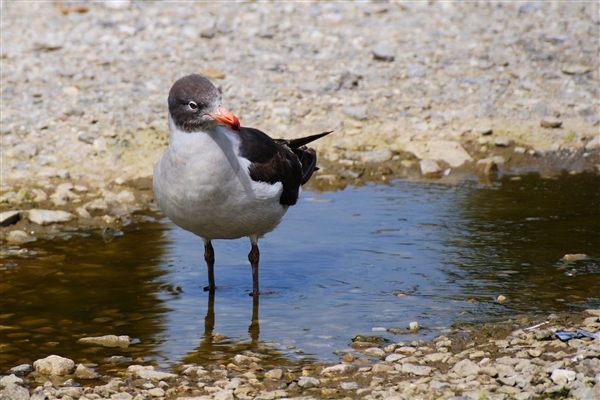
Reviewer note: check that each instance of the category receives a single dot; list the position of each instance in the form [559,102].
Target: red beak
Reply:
[226,118]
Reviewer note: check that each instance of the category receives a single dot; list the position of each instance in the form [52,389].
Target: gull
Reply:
[220,180]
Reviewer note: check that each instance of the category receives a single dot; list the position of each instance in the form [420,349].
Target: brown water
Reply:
[356,261]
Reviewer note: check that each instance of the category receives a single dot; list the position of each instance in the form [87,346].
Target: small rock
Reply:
[562,376]
[465,367]
[63,174]
[274,374]
[520,150]
[419,370]
[83,372]
[121,396]
[501,298]
[382,53]
[374,351]
[21,370]
[430,167]
[308,382]
[5,380]
[9,217]
[413,326]
[503,141]
[87,137]
[376,156]
[108,340]
[487,166]
[349,385]
[448,151]
[83,213]
[54,365]
[46,217]
[340,368]
[575,69]
[158,392]
[483,130]
[96,205]
[567,258]
[208,33]
[241,359]
[149,373]
[348,357]
[382,367]
[19,237]
[550,122]
[593,144]
[394,357]
[13,391]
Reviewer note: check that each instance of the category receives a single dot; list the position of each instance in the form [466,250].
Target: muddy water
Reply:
[357,261]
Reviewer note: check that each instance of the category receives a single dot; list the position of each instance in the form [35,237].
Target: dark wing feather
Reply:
[271,163]
[306,155]
[279,160]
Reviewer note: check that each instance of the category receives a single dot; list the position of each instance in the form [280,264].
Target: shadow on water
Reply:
[358,261]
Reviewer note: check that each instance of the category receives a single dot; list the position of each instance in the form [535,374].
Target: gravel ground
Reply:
[411,90]
[496,362]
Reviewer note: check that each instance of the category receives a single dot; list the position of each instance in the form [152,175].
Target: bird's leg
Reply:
[209,256]
[253,257]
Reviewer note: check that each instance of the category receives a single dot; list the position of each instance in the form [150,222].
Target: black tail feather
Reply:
[296,143]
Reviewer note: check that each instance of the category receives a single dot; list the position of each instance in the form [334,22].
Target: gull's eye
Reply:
[192,105]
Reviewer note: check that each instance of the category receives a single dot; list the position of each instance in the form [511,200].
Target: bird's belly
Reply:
[214,203]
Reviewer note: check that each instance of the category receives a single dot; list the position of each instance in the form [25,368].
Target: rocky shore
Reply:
[493,362]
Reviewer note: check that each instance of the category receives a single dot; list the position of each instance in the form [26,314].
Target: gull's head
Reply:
[195,105]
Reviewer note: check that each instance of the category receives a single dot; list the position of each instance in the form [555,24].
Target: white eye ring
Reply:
[192,105]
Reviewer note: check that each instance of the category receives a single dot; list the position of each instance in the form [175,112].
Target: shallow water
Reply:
[340,264]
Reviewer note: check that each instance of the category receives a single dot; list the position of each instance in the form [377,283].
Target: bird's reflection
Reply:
[209,324]
[216,348]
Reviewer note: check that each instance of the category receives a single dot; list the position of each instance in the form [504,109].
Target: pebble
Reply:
[107,340]
[274,374]
[5,380]
[562,376]
[575,69]
[19,237]
[308,382]
[149,373]
[419,370]
[550,122]
[430,167]
[83,372]
[13,391]
[383,53]
[46,217]
[54,365]
[465,368]
[21,370]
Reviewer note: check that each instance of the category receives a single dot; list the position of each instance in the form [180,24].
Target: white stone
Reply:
[308,382]
[46,217]
[562,376]
[430,167]
[54,365]
[419,370]
[465,368]
[19,237]
[108,340]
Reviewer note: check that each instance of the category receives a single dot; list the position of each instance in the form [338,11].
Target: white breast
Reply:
[203,186]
